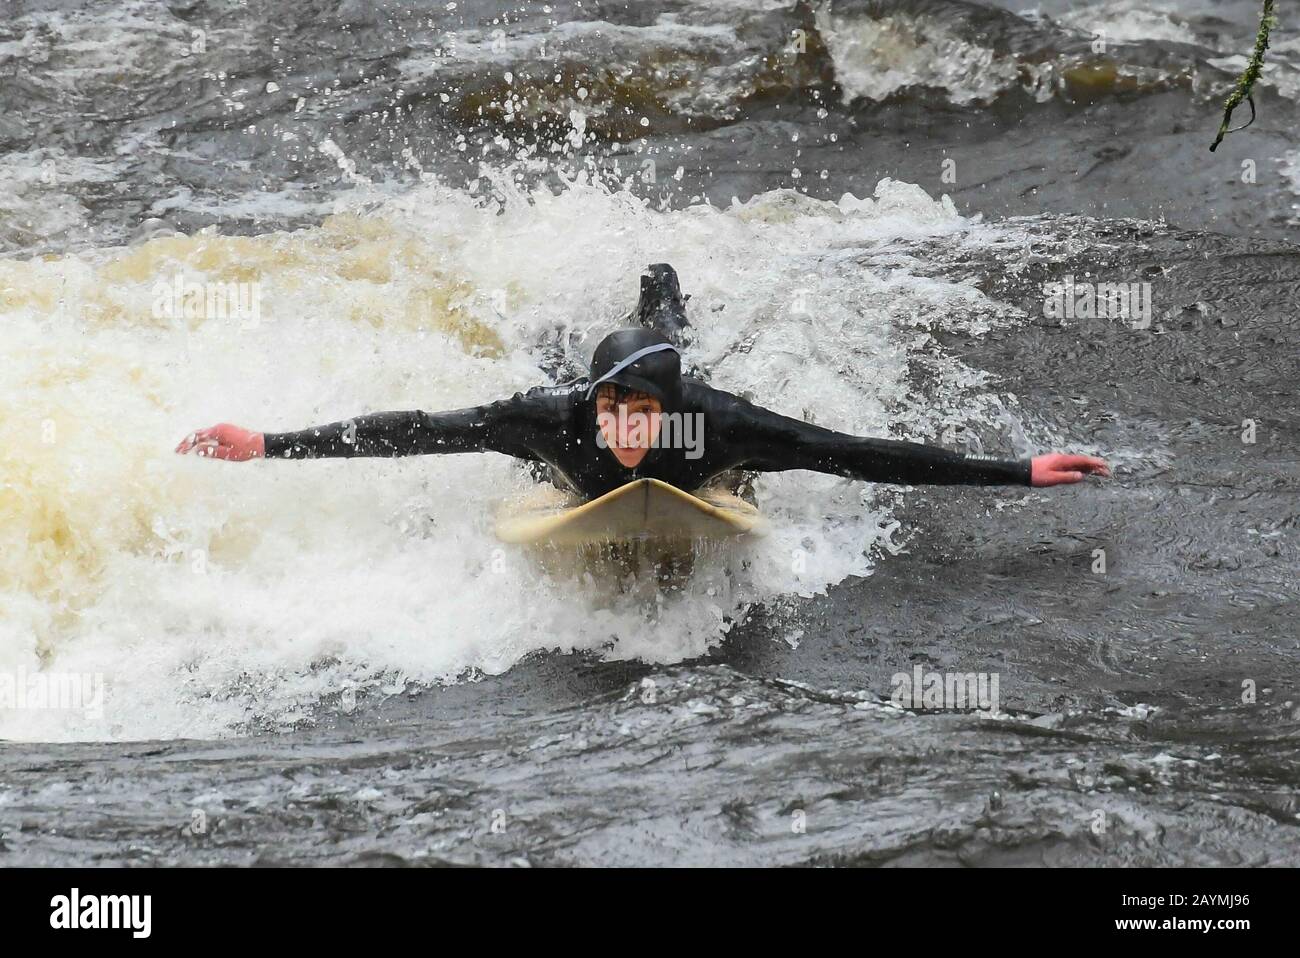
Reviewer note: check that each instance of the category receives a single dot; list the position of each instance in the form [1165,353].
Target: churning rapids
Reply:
[335,662]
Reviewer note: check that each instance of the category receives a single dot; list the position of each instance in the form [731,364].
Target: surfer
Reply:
[635,415]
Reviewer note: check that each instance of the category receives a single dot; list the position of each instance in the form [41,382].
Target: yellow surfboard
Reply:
[642,509]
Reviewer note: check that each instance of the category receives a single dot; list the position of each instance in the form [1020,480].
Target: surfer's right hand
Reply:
[224,441]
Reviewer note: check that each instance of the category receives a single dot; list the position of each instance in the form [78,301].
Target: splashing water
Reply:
[213,596]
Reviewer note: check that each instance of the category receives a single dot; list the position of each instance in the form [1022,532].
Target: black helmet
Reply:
[639,359]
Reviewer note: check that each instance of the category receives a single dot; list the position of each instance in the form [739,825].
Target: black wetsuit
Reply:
[556,425]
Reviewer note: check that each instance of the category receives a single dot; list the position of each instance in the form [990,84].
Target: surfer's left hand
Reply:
[1055,469]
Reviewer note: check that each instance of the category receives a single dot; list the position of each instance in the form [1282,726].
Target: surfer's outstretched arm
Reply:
[390,434]
[771,442]
[498,427]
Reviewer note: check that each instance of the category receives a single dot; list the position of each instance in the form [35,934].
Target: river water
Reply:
[335,662]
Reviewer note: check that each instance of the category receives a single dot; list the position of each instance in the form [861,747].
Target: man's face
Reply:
[629,423]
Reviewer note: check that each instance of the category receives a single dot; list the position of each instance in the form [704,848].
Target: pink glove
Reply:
[225,441]
[1056,468]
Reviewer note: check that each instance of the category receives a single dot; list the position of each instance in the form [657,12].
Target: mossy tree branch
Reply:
[1246,82]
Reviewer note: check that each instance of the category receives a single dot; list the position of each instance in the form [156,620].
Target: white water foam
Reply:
[1119,21]
[875,58]
[211,595]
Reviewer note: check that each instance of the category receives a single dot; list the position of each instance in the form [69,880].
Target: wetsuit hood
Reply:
[640,359]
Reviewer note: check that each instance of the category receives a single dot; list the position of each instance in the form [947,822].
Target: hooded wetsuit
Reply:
[713,432]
